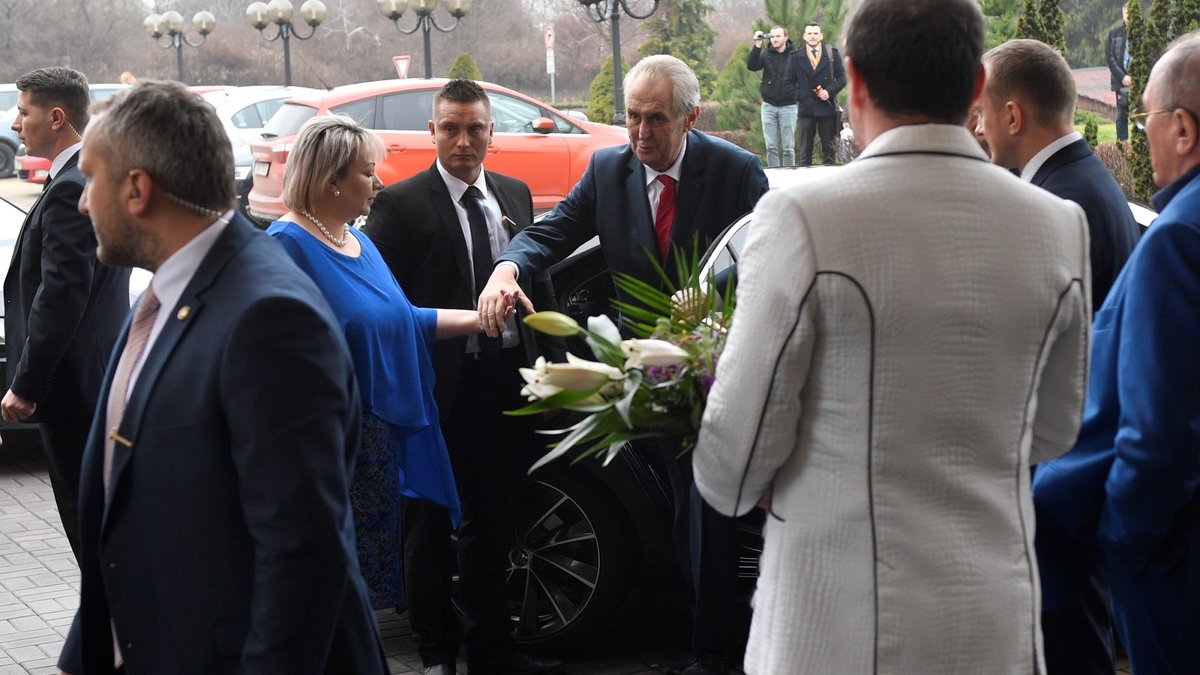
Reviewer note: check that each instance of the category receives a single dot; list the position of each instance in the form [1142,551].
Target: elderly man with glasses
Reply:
[1129,492]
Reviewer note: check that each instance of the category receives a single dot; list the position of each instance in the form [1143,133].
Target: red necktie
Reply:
[665,217]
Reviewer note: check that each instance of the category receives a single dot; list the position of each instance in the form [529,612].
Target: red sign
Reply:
[549,34]
[402,66]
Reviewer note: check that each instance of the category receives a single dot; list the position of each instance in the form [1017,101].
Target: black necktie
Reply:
[815,50]
[481,255]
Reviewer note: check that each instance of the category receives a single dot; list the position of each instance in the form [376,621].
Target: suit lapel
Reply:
[691,187]
[35,214]
[642,219]
[178,322]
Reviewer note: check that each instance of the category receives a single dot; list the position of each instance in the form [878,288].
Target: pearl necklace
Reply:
[329,235]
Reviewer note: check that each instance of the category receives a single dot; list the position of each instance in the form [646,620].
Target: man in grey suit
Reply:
[214,502]
[63,308]
[670,189]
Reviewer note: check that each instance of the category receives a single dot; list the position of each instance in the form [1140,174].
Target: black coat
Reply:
[1075,173]
[829,74]
[1114,53]
[778,86]
[62,307]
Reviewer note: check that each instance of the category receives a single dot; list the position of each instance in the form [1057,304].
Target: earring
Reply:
[337,193]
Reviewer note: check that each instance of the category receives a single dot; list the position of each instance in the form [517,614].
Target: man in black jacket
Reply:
[819,75]
[1117,55]
[778,91]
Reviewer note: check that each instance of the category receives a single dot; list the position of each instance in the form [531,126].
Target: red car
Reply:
[547,149]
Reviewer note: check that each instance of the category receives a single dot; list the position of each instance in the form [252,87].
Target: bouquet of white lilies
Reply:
[649,386]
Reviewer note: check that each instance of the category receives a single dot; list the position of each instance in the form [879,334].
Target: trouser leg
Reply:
[62,443]
[787,133]
[770,127]
[808,129]
[826,129]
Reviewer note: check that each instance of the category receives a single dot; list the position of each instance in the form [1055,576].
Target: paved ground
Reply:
[39,586]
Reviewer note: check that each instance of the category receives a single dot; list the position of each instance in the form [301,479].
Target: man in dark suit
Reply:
[439,232]
[671,188]
[819,75]
[215,513]
[1028,110]
[63,309]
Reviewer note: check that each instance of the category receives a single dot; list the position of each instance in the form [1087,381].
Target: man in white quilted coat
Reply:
[911,334]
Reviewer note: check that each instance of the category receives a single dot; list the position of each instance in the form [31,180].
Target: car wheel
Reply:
[570,565]
[7,163]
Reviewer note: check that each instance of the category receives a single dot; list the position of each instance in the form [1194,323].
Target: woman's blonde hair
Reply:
[323,152]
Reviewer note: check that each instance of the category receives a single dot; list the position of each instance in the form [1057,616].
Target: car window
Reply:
[513,115]
[247,118]
[102,93]
[267,109]
[407,111]
[361,111]
[8,99]
[288,120]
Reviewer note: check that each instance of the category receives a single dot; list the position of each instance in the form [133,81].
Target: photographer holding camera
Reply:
[778,90]
[819,76]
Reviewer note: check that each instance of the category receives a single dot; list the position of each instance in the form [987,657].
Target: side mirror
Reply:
[543,125]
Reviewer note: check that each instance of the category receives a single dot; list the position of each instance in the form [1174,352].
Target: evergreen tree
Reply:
[600,96]
[1052,20]
[679,28]
[1139,69]
[1000,20]
[1158,31]
[737,92]
[1029,23]
[1091,132]
[464,67]
[1186,17]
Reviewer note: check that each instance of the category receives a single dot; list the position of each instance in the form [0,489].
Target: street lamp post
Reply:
[426,21]
[279,12]
[598,11]
[170,25]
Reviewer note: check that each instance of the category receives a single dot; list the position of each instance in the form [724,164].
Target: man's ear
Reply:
[858,86]
[138,189]
[1187,141]
[1014,117]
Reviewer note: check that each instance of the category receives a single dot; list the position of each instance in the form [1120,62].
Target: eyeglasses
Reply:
[1139,118]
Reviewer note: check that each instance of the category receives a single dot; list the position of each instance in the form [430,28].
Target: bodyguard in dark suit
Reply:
[1028,107]
[670,188]
[215,516]
[63,309]
[819,75]
[440,241]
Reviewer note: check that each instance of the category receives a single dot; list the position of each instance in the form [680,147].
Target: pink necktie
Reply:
[665,217]
[139,334]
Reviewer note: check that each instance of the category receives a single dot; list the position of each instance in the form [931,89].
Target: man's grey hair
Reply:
[175,136]
[685,87]
[1177,76]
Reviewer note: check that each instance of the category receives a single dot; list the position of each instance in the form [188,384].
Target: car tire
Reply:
[570,569]
[7,161]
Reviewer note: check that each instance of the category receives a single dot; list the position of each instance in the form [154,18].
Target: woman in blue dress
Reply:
[330,181]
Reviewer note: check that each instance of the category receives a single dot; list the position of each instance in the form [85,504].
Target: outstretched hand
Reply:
[499,299]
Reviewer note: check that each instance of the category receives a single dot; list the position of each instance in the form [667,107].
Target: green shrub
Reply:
[464,68]
[600,96]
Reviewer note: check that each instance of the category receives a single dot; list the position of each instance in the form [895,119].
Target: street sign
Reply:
[402,66]
[550,61]
[548,33]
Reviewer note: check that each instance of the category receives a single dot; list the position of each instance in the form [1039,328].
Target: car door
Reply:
[540,159]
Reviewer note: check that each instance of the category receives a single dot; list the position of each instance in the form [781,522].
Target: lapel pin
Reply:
[183,313]
[508,224]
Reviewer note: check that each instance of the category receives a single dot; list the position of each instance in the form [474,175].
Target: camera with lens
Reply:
[759,35]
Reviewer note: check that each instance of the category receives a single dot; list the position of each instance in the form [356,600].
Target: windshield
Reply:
[288,120]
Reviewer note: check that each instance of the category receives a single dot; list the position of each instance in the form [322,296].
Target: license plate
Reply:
[262,168]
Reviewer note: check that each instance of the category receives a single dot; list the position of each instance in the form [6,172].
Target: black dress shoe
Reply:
[517,664]
[708,664]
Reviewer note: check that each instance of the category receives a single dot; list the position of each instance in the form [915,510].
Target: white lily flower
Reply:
[553,323]
[580,374]
[535,385]
[652,353]
[604,327]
